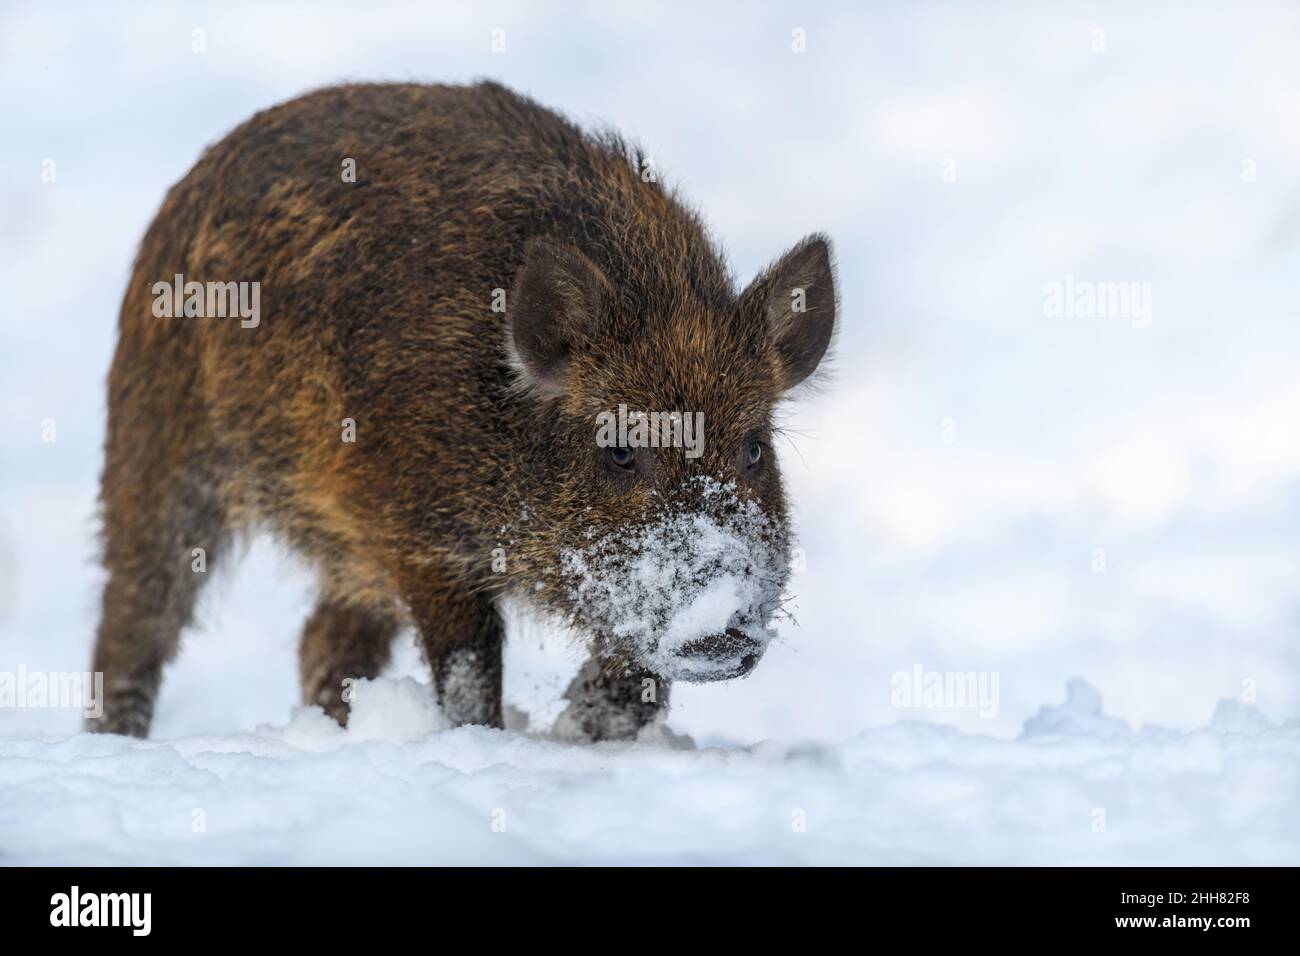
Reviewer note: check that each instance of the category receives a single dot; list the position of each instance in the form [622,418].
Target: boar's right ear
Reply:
[557,294]
[795,298]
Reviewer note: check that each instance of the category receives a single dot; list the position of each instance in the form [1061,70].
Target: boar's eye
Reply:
[754,453]
[622,457]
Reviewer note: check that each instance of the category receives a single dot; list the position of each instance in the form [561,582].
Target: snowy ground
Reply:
[399,788]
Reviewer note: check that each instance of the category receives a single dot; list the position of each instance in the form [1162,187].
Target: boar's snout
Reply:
[718,657]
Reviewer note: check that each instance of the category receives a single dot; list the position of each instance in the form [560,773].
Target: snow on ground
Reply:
[398,787]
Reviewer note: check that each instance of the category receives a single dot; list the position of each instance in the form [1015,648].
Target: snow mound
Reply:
[384,709]
[1080,715]
[1237,717]
[398,787]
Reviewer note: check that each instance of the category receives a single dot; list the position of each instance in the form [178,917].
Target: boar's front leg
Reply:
[610,702]
[461,633]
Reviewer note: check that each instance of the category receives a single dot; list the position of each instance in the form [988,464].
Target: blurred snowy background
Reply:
[976,462]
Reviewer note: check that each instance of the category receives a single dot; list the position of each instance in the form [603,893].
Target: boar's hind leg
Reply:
[607,704]
[342,641]
[462,635]
[163,529]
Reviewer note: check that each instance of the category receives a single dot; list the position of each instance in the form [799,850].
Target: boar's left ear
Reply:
[795,296]
[558,294]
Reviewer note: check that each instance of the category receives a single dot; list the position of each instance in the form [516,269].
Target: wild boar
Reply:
[452,286]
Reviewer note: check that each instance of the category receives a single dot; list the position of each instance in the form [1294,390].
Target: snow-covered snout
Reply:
[690,594]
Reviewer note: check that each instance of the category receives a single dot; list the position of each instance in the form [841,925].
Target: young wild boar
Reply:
[386,322]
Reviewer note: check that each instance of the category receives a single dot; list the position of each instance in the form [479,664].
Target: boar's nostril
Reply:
[732,643]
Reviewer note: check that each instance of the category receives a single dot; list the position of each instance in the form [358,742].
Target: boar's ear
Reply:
[558,293]
[795,296]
